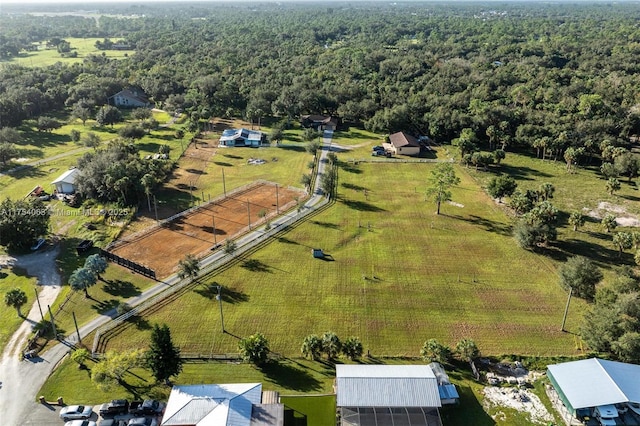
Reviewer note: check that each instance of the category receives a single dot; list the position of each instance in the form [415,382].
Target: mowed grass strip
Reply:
[13,277]
[398,274]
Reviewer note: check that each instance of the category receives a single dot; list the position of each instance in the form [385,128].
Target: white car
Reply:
[143,421]
[80,423]
[76,412]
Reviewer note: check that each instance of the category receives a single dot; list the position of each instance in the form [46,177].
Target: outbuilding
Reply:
[584,385]
[380,395]
[66,182]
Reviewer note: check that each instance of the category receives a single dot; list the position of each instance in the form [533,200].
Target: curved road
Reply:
[20,380]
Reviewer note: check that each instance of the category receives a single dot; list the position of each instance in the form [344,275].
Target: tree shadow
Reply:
[295,148]
[235,157]
[125,289]
[603,255]
[290,377]
[354,187]
[360,205]
[488,225]
[326,224]
[140,322]
[197,172]
[286,240]
[229,295]
[105,306]
[255,265]
[349,168]
[222,164]
[26,171]
[522,172]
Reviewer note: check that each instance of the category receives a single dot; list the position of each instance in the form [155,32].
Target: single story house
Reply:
[381,395]
[402,144]
[66,182]
[130,98]
[319,122]
[242,137]
[237,404]
[589,383]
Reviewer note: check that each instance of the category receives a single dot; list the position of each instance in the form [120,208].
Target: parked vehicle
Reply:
[134,407]
[606,415]
[634,406]
[116,406]
[80,423]
[151,407]
[112,422]
[38,244]
[143,421]
[84,246]
[75,412]
[378,148]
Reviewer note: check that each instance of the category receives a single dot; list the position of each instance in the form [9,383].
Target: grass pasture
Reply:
[397,275]
[83,46]
[13,277]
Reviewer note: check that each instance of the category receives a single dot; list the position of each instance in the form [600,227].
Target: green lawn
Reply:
[83,46]
[316,410]
[399,275]
[10,278]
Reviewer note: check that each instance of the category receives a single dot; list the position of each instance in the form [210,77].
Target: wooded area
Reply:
[549,76]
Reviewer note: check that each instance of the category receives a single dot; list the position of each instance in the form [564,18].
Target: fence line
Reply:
[289,219]
[398,160]
[129,264]
[140,234]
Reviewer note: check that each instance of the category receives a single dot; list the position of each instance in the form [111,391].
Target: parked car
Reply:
[38,244]
[80,423]
[378,148]
[116,406]
[83,246]
[143,421]
[112,422]
[606,415]
[75,412]
[634,406]
[151,407]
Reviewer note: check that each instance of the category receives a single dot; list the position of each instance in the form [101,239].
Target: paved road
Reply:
[20,380]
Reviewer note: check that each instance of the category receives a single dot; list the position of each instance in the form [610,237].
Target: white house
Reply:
[242,137]
[402,144]
[220,405]
[66,182]
[130,98]
[381,395]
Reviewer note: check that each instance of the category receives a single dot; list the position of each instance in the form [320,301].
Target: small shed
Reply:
[317,253]
[66,182]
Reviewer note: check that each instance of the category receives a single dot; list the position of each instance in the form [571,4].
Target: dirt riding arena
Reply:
[163,246]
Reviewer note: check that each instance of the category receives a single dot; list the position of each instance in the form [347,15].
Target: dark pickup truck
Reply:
[148,407]
[116,406]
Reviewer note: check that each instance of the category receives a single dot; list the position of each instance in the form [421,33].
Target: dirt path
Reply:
[16,383]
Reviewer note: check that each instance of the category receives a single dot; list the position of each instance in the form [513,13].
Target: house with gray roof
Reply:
[377,395]
[238,404]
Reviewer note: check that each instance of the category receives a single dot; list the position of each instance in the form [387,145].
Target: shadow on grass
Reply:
[197,172]
[326,224]
[354,187]
[235,157]
[488,225]
[360,205]
[522,172]
[24,171]
[349,168]
[255,265]
[121,288]
[105,306]
[295,148]
[598,253]
[290,377]
[222,164]
[229,295]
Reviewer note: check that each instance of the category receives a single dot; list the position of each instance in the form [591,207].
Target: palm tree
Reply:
[148,181]
[576,219]
[352,348]
[96,264]
[612,185]
[230,247]
[331,344]
[189,267]
[311,346]
[15,298]
[82,279]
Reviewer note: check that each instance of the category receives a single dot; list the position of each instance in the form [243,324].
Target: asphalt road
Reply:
[20,380]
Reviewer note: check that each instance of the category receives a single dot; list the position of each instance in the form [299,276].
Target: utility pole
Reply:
[249,213]
[566,309]
[213,223]
[219,297]
[53,324]
[35,290]
[277,201]
[155,205]
[224,185]
[76,324]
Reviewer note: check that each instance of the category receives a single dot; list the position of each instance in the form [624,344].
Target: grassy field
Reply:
[10,278]
[399,275]
[83,46]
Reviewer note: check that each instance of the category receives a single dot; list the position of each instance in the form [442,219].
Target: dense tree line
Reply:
[552,78]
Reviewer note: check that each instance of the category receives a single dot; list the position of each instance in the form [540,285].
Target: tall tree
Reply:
[581,275]
[19,230]
[331,344]
[82,279]
[352,348]
[163,357]
[612,185]
[96,264]
[623,241]
[609,222]
[443,177]
[254,349]
[108,115]
[432,350]
[311,346]
[189,267]
[501,186]
[576,219]
[7,152]
[15,298]
[467,350]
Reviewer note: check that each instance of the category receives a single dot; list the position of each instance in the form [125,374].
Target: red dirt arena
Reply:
[162,247]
